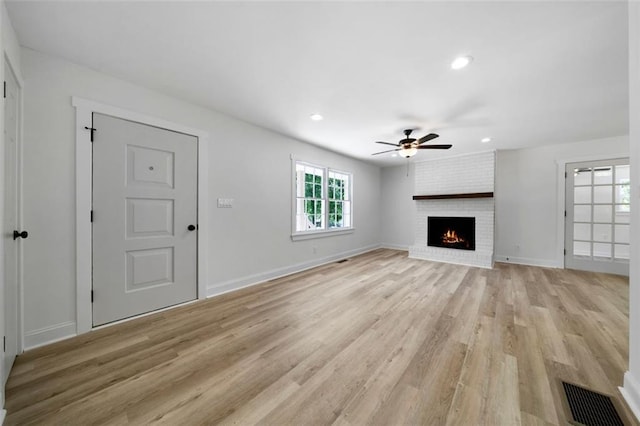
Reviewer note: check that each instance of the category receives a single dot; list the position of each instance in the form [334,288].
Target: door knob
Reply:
[18,234]
[191,227]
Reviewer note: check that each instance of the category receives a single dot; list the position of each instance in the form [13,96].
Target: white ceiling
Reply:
[543,73]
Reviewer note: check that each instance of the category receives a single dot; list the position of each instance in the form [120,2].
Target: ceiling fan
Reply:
[408,147]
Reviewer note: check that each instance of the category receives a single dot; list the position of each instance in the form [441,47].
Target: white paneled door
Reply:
[13,236]
[144,218]
[597,216]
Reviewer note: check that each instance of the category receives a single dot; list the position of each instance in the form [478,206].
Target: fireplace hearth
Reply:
[452,232]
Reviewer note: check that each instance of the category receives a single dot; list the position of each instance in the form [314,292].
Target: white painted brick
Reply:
[461,174]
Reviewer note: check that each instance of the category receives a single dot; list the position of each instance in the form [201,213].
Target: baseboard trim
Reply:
[545,263]
[631,393]
[394,247]
[51,334]
[251,280]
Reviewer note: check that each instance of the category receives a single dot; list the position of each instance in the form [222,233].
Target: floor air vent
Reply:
[590,408]
[342,261]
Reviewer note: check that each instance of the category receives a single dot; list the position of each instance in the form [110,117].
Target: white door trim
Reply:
[84,109]
[561,167]
[19,218]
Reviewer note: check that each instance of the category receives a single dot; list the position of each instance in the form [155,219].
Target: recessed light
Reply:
[461,62]
[485,140]
[394,155]
[316,117]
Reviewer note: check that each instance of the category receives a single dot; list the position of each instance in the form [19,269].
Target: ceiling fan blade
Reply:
[387,143]
[382,152]
[427,138]
[434,147]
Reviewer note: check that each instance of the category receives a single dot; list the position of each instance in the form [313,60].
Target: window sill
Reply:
[320,234]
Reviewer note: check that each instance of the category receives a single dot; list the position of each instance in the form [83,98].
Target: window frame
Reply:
[325,231]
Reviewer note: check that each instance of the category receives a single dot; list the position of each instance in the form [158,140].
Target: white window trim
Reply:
[84,109]
[319,233]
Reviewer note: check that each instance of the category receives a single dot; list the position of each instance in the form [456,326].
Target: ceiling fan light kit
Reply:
[408,147]
[408,152]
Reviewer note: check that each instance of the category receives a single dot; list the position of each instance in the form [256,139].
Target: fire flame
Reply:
[451,237]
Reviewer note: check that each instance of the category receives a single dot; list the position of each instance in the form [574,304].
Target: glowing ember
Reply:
[451,237]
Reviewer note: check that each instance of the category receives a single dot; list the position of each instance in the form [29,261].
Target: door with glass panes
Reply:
[597,216]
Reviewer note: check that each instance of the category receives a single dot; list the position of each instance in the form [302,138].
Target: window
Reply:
[322,199]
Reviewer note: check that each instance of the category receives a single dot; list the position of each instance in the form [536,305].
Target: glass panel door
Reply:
[597,216]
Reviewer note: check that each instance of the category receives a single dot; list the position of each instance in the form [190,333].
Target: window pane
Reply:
[581,248]
[621,251]
[582,195]
[602,175]
[318,191]
[318,179]
[603,213]
[581,231]
[308,190]
[602,194]
[622,174]
[622,234]
[602,250]
[582,213]
[331,192]
[582,176]
[623,194]
[622,213]
[601,232]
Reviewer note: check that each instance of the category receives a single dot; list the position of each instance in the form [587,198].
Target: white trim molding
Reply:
[529,261]
[561,167]
[631,393]
[20,219]
[84,110]
[251,280]
[50,334]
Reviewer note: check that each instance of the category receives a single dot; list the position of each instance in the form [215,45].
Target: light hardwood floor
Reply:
[379,339]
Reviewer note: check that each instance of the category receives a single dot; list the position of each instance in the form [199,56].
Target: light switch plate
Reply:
[225,203]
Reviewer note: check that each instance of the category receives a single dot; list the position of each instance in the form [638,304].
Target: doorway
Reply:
[597,210]
[144,218]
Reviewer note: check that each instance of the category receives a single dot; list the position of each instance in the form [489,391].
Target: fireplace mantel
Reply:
[451,196]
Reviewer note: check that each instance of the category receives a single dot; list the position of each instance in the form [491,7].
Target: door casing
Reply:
[560,192]
[612,265]
[84,110]
[18,302]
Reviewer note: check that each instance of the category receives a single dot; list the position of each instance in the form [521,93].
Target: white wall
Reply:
[398,210]
[247,243]
[528,222]
[631,390]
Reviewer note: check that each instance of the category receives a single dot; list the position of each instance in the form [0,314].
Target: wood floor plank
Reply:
[379,339]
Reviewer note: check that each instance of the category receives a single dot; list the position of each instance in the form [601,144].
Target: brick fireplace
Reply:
[455,187]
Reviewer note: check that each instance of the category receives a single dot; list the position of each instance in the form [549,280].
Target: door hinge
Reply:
[90,129]
[4,90]
[91,296]
[565,175]
[565,252]
[565,213]
[91,216]
[4,343]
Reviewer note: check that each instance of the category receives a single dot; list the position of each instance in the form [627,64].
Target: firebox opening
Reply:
[452,232]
